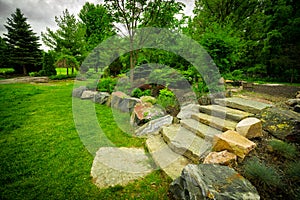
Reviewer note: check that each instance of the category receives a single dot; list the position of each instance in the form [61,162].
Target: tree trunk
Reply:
[72,70]
[24,70]
[67,71]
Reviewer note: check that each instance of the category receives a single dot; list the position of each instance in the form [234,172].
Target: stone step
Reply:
[184,142]
[224,112]
[216,122]
[200,129]
[247,105]
[169,161]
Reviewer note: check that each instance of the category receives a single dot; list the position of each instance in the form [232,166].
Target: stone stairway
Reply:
[188,142]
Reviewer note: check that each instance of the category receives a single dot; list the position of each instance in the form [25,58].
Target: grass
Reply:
[261,174]
[42,155]
[64,71]
[284,149]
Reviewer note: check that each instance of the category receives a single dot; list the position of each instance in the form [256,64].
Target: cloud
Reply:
[41,13]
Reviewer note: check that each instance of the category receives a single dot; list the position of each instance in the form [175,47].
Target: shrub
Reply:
[263,175]
[137,92]
[61,77]
[107,84]
[284,149]
[167,98]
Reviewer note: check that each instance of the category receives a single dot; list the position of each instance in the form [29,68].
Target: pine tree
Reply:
[25,54]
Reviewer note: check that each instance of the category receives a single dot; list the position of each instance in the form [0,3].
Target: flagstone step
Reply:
[247,105]
[215,122]
[224,112]
[200,129]
[184,142]
[168,161]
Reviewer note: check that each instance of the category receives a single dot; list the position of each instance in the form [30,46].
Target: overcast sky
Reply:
[40,13]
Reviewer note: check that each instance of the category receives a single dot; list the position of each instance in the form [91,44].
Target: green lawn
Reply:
[64,71]
[42,155]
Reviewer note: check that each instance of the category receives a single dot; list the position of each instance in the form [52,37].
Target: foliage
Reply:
[4,54]
[66,61]
[48,64]
[98,24]
[69,39]
[62,76]
[6,71]
[107,84]
[284,149]
[137,92]
[263,175]
[167,98]
[24,53]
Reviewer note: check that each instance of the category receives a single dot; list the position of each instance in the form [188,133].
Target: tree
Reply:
[25,55]
[69,38]
[48,64]
[132,14]
[98,24]
[4,54]
[66,61]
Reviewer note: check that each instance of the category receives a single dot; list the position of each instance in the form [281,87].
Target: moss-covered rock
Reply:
[283,124]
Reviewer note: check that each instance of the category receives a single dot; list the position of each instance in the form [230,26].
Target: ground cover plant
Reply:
[42,156]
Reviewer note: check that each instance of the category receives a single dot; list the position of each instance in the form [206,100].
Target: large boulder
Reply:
[123,102]
[77,92]
[209,181]
[101,97]
[233,142]
[153,126]
[250,127]
[281,123]
[88,94]
[144,112]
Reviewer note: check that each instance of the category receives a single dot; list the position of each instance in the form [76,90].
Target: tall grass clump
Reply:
[261,174]
[293,171]
[284,149]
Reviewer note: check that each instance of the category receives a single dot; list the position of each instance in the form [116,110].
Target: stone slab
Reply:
[166,159]
[216,122]
[250,127]
[200,129]
[153,126]
[222,158]
[188,110]
[234,143]
[118,166]
[243,104]
[184,142]
[224,112]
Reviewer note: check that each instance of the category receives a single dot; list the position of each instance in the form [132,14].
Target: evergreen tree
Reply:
[25,55]
[4,54]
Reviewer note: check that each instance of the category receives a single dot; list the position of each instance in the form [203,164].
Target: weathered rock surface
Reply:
[188,110]
[208,181]
[283,124]
[224,112]
[88,94]
[118,166]
[233,142]
[77,92]
[101,97]
[169,161]
[222,158]
[293,102]
[250,127]
[243,104]
[184,142]
[123,102]
[144,112]
[200,129]
[153,126]
[216,122]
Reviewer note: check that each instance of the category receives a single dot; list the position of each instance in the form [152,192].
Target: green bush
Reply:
[137,92]
[107,84]
[167,98]
[284,149]
[261,174]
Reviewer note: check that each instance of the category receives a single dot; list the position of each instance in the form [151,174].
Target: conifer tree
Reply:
[25,55]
